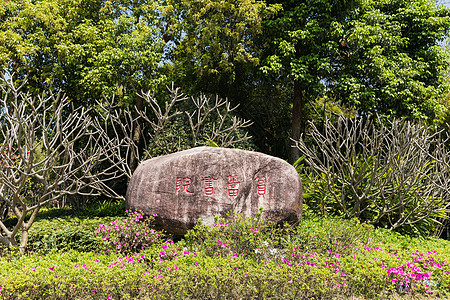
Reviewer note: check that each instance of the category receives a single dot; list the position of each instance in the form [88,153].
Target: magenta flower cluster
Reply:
[221,224]
[412,273]
[130,235]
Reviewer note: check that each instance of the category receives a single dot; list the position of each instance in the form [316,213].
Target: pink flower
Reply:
[155,215]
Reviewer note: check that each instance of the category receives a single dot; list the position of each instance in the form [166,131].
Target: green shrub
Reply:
[64,234]
[238,236]
[85,275]
[44,213]
[103,208]
[59,229]
[130,235]
[63,229]
[196,275]
[329,235]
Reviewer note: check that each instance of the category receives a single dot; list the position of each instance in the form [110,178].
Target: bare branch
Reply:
[395,173]
[48,151]
[207,120]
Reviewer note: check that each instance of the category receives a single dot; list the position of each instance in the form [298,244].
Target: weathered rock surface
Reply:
[205,182]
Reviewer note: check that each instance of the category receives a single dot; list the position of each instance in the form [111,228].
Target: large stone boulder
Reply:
[205,182]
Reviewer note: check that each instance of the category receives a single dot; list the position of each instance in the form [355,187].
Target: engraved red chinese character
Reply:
[261,185]
[209,190]
[233,186]
[182,185]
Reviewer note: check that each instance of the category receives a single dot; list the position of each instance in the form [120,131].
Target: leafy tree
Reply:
[303,35]
[390,60]
[87,49]
[214,45]
[217,50]
[375,56]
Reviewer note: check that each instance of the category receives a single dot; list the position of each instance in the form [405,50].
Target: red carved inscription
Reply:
[233,186]
[209,190]
[182,185]
[261,185]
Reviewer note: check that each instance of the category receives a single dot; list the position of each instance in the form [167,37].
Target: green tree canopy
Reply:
[88,49]
[269,56]
[390,60]
[214,46]
[375,56]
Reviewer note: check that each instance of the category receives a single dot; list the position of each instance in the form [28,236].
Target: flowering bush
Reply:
[415,275]
[130,235]
[237,258]
[238,236]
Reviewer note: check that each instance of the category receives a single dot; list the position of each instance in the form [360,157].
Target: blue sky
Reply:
[445,2]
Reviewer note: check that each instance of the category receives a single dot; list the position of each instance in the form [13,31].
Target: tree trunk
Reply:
[297,127]
[137,128]
[23,241]
[137,136]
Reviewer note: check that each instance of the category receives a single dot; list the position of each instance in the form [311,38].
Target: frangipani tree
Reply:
[47,151]
[392,174]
